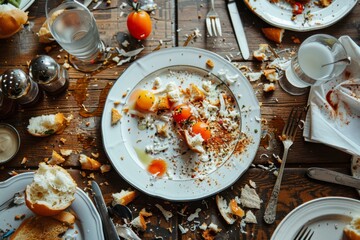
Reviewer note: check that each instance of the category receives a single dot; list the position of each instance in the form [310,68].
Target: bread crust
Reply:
[39,227]
[11,22]
[39,205]
[273,34]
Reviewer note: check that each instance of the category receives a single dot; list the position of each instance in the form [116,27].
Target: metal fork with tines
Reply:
[305,233]
[213,21]
[287,137]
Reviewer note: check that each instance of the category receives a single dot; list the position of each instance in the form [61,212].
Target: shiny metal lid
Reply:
[43,69]
[14,83]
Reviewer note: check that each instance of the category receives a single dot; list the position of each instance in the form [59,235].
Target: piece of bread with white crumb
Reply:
[352,230]
[56,158]
[124,197]
[45,125]
[139,222]
[51,191]
[224,210]
[249,198]
[194,142]
[274,34]
[88,163]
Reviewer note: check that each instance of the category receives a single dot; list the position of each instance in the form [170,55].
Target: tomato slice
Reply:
[203,129]
[181,113]
[298,8]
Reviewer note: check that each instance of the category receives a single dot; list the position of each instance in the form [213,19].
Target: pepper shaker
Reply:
[50,76]
[17,85]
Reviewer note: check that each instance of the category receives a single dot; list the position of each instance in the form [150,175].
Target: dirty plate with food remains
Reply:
[313,17]
[189,125]
[87,224]
[326,216]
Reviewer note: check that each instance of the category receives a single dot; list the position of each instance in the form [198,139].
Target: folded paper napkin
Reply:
[333,117]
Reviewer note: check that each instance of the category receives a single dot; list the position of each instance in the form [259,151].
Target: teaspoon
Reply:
[345,60]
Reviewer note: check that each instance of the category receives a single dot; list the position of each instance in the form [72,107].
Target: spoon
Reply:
[121,211]
[345,60]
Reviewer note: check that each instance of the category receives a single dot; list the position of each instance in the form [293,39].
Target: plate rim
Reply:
[308,204]
[26,5]
[80,194]
[173,51]
[350,4]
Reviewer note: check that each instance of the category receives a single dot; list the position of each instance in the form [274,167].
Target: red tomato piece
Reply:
[139,24]
[181,113]
[298,8]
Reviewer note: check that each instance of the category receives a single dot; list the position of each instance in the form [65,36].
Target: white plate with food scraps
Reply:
[313,17]
[132,143]
[326,216]
[25,4]
[87,225]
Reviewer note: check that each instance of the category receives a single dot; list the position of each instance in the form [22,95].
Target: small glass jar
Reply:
[50,76]
[17,85]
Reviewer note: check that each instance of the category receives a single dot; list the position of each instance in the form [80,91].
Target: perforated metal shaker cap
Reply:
[43,69]
[14,83]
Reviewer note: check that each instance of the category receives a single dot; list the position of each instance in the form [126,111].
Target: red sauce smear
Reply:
[328,99]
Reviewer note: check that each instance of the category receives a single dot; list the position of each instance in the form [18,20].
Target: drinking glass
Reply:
[307,66]
[73,26]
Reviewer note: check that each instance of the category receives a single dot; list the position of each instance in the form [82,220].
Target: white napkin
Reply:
[333,117]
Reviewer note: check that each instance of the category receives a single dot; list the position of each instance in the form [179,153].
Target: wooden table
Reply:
[173,22]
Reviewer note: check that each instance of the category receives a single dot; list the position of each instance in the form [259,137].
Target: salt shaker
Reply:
[17,85]
[50,76]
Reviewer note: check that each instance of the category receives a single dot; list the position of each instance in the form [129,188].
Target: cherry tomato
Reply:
[145,100]
[181,113]
[158,167]
[139,24]
[202,129]
[298,8]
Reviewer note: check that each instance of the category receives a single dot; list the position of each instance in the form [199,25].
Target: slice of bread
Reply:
[88,163]
[352,230]
[40,227]
[45,125]
[52,190]
[249,198]
[124,197]
[274,34]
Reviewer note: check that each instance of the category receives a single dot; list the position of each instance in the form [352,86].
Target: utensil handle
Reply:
[270,211]
[333,177]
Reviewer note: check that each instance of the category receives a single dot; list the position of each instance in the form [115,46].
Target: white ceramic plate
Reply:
[326,216]
[122,140]
[88,223]
[280,14]
[25,4]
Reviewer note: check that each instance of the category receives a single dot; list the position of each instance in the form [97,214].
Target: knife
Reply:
[108,226]
[333,177]
[238,28]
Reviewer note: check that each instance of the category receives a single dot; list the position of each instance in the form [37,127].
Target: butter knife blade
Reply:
[239,29]
[108,225]
[333,177]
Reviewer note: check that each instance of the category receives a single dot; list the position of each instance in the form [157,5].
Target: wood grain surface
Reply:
[173,22]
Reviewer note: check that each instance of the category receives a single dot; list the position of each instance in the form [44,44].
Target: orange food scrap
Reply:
[158,167]
[236,209]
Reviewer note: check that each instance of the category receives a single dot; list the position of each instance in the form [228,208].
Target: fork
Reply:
[287,136]
[213,21]
[305,233]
